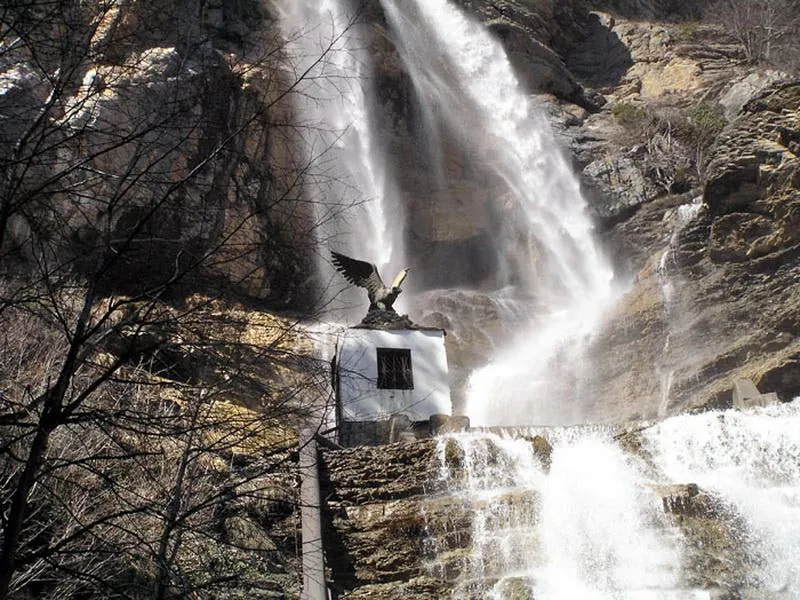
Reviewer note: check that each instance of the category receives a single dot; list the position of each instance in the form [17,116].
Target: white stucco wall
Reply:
[360,398]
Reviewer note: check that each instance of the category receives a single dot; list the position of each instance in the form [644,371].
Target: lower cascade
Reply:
[695,506]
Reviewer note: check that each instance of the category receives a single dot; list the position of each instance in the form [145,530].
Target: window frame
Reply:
[395,369]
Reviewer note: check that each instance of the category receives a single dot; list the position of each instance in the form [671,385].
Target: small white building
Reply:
[382,373]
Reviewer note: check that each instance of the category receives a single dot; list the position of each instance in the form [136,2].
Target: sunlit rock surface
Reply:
[720,297]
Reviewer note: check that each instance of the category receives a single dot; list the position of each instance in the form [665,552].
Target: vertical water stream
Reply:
[682,216]
[550,262]
[348,181]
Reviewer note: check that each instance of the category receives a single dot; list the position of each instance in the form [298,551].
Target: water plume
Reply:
[347,179]
[547,254]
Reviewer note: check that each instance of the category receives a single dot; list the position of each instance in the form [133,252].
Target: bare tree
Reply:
[766,29]
[130,177]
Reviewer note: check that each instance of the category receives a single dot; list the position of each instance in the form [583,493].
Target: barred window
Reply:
[394,369]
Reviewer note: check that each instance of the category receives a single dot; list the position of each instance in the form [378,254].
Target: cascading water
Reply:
[549,260]
[682,216]
[752,462]
[588,521]
[585,528]
[348,182]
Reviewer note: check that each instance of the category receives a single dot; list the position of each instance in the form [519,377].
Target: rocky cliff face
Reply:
[710,297]
[713,284]
[151,127]
[720,299]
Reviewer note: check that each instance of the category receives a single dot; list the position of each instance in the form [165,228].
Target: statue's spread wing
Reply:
[358,272]
[401,277]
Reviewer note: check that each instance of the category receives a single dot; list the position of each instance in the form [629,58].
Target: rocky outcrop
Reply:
[617,187]
[732,273]
[752,181]
[375,521]
[159,150]
[740,91]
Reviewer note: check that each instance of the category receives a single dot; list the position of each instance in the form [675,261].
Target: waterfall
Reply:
[345,176]
[549,261]
[588,520]
[682,216]
[752,461]
[586,528]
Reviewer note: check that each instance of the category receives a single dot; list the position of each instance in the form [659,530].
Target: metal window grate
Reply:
[394,369]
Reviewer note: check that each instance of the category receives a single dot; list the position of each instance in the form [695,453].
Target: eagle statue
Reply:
[364,274]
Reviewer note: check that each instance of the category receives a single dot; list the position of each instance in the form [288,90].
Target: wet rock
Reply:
[633,443]
[440,424]
[515,588]
[678,499]
[474,327]
[542,450]
[714,556]
[453,457]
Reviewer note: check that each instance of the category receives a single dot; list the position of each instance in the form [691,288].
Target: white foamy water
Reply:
[594,527]
[587,529]
[752,461]
[348,181]
[549,253]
